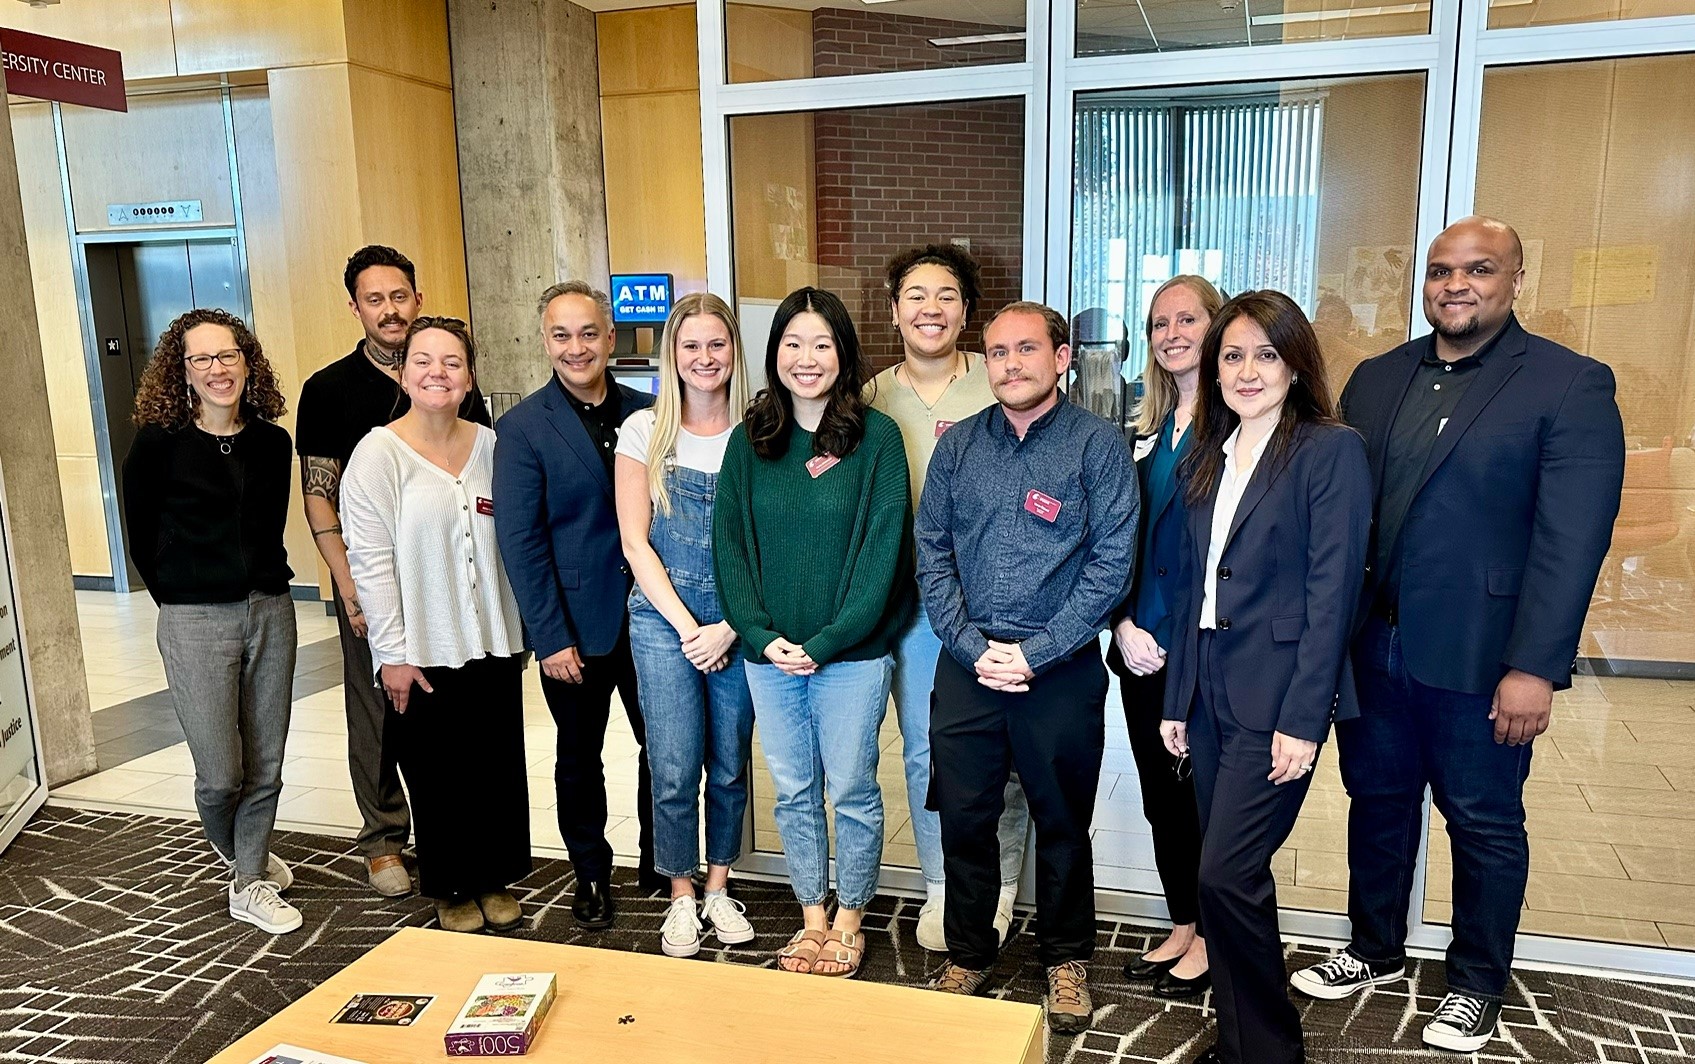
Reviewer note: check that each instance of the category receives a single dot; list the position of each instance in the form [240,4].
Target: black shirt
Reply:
[348,398]
[1435,390]
[204,526]
[600,419]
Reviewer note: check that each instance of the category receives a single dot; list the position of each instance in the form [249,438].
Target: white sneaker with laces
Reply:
[1462,1023]
[728,919]
[261,906]
[277,874]
[680,935]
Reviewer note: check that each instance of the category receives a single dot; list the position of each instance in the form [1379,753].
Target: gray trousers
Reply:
[373,757]
[230,667]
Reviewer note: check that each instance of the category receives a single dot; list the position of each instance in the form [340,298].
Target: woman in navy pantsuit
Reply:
[1273,558]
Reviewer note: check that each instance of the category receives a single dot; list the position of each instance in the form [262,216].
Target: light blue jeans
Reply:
[819,734]
[915,676]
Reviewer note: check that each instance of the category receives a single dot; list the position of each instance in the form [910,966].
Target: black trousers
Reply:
[1244,819]
[1168,802]
[580,712]
[462,752]
[1053,735]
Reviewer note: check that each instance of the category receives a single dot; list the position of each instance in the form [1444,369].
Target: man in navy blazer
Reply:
[558,532]
[1497,458]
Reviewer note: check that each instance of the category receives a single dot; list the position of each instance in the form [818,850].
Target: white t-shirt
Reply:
[703,454]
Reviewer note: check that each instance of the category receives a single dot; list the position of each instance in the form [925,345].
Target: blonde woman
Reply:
[688,664]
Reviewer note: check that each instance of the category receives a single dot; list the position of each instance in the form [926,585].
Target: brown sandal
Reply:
[846,948]
[804,946]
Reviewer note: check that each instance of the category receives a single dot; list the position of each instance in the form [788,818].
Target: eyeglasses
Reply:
[1183,768]
[204,362]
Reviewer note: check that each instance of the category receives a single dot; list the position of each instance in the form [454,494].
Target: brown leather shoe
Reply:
[388,876]
[1070,1009]
[462,915]
[956,980]
[501,910]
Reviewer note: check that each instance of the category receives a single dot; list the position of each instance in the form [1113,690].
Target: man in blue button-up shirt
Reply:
[1026,537]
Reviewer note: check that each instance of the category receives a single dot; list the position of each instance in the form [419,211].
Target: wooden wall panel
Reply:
[408,175]
[648,50]
[655,194]
[213,36]
[66,373]
[768,43]
[775,194]
[140,29]
[405,37]
[167,147]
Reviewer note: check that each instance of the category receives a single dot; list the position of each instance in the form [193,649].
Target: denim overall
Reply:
[695,721]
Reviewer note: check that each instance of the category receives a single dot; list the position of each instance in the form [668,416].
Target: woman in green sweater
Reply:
[814,570]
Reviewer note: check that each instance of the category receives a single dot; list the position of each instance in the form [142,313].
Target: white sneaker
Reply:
[1003,911]
[930,934]
[680,935]
[277,874]
[261,906]
[726,915]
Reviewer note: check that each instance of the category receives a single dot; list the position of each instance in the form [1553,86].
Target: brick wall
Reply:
[892,177]
[868,42]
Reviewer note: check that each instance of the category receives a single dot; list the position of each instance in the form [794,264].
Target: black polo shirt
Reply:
[1430,400]
[348,398]
[601,419]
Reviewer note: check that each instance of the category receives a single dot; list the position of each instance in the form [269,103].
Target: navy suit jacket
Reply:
[1151,563]
[1504,539]
[557,525]
[1289,582]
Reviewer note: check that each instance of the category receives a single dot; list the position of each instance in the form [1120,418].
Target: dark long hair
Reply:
[1308,400]
[773,409]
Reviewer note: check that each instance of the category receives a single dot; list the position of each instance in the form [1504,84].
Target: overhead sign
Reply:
[641,298]
[169,212]
[51,69]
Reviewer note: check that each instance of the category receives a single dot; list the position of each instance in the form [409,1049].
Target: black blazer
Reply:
[1504,540]
[1289,581]
[557,525]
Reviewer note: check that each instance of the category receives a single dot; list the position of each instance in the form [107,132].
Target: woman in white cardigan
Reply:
[417,510]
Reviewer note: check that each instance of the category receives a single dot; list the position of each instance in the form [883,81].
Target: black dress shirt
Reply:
[601,419]
[1435,390]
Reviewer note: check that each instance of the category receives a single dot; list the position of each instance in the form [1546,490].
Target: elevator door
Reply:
[135,292]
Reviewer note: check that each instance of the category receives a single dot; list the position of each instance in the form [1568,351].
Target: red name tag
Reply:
[485,506]
[943,426]
[818,465]
[1044,506]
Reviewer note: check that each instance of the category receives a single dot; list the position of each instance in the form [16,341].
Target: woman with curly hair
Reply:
[819,603]
[206,489]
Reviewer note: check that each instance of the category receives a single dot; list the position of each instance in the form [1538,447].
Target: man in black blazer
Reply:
[559,542]
[1497,459]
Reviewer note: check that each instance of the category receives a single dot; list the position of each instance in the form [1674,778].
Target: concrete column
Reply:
[526,88]
[46,602]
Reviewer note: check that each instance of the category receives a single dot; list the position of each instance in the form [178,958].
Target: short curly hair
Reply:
[376,255]
[165,397]
[951,257]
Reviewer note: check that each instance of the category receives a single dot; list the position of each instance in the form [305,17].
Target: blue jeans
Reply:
[819,734]
[915,676]
[1410,736]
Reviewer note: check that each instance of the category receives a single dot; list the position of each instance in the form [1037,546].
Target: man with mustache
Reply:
[339,404]
[1026,535]
[1498,458]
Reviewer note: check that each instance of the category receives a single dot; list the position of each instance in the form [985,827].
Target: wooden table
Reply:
[686,1012]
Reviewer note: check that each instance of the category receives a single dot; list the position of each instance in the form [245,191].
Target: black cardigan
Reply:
[204,526]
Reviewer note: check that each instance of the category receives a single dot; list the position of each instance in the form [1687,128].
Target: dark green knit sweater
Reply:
[825,562]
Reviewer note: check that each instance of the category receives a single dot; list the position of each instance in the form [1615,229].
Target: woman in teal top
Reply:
[814,570]
[1178,317]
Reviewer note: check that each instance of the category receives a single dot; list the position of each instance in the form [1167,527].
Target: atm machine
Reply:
[640,304]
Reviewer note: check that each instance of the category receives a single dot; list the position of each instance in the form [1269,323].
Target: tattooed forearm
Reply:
[321,477]
[333,530]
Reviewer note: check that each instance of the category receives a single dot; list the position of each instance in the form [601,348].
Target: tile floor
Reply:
[1611,797]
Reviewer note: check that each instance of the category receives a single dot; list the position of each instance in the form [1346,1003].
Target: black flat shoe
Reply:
[651,882]
[1142,970]
[593,906]
[1170,986]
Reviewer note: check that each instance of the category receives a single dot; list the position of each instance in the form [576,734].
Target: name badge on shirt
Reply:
[943,426]
[820,464]
[1044,506]
[485,506]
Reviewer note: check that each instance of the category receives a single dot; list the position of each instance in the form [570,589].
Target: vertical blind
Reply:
[1225,188]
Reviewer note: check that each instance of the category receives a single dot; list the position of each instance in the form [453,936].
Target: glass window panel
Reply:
[1611,797]
[1117,27]
[778,39]
[1310,187]
[826,199]
[1512,14]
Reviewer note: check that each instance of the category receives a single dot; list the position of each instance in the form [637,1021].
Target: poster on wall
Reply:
[21,792]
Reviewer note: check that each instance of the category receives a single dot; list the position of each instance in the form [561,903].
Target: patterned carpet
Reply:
[115,946]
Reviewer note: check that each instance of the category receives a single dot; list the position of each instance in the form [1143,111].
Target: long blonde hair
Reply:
[668,409]
[1159,387]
